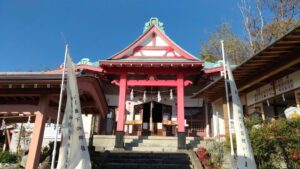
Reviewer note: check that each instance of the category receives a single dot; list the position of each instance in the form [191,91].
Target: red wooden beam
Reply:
[162,83]
[214,70]
[152,83]
[167,48]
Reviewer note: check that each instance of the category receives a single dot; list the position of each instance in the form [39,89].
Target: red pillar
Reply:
[119,142]
[180,102]
[37,135]
[180,111]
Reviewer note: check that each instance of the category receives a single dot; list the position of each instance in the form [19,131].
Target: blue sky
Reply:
[30,38]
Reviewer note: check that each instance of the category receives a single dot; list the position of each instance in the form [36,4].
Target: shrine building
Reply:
[154,78]
[143,90]
[151,89]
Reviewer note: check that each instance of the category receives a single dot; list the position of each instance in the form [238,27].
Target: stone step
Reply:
[150,161]
[131,154]
[144,160]
[156,144]
[159,143]
[149,143]
[161,140]
[130,147]
[144,137]
[104,148]
[111,148]
[154,149]
[144,166]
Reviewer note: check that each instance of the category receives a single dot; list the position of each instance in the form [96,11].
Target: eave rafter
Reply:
[145,70]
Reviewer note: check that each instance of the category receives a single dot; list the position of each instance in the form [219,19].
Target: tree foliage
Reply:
[267,20]
[276,142]
[7,157]
[264,22]
[236,48]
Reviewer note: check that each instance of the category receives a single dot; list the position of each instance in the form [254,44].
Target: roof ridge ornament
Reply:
[156,22]
[87,61]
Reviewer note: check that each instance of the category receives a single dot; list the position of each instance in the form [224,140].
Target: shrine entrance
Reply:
[152,115]
[152,61]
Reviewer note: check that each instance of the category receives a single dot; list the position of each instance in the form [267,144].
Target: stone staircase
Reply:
[145,152]
[145,143]
[143,160]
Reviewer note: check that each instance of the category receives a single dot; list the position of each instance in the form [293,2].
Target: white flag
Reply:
[73,153]
[245,158]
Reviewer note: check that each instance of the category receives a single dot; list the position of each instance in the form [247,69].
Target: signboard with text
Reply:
[262,93]
[287,83]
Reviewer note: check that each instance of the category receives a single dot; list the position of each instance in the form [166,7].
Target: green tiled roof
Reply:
[211,65]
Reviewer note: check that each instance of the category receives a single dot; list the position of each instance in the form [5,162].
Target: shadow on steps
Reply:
[140,160]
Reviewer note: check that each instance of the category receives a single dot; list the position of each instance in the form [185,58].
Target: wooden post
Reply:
[225,116]
[8,137]
[206,119]
[37,135]
[119,142]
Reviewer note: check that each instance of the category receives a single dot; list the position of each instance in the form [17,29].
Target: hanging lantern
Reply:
[144,97]
[131,95]
[283,97]
[158,96]
[171,94]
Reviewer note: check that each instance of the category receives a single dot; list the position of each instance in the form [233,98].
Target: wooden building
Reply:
[268,82]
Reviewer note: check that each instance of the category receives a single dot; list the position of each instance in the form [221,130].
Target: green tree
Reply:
[276,142]
[236,48]
[264,22]
[267,20]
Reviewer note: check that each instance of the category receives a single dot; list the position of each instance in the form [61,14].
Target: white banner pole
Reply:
[59,109]
[227,103]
